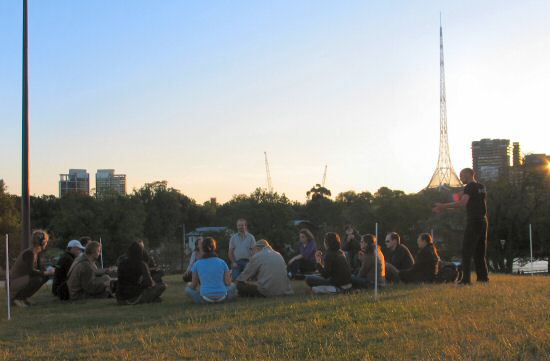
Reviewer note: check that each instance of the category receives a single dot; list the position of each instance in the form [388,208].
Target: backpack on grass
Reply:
[449,273]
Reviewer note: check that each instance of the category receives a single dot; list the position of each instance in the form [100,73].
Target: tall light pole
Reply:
[25,198]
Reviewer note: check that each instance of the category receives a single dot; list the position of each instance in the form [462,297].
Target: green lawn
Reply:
[508,319]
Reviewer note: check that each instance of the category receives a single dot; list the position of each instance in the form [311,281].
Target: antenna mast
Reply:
[269,184]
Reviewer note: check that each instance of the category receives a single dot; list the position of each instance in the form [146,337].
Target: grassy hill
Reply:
[508,319]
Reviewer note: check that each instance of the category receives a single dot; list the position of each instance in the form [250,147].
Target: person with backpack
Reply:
[135,284]
[27,274]
[59,285]
[211,278]
[334,269]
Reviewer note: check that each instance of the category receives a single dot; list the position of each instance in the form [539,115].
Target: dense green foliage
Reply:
[158,213]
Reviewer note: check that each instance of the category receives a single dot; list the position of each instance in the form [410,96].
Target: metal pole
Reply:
[376,262]
[101,254]
[182,245]
[25,198]
[531,245]
[8,277]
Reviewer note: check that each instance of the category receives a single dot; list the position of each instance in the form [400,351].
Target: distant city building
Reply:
[76,181]
[107,182]
[537,163]
[517,155]
[492,159]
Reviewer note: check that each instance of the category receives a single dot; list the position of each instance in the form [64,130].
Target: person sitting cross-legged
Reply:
[304,261]
[211,278]
[64,263]
[369,260]
[426,267]
[398,257]
[135,284]
[334,269]
[265,274]
[84,279]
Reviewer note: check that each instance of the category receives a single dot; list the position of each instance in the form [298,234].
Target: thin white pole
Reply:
[8,276]
[531,245]
[376,262]
[101,244]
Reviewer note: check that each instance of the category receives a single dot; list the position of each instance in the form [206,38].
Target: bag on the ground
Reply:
[448,273]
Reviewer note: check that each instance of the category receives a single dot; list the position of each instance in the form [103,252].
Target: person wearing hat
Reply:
[265,275]
[74,249]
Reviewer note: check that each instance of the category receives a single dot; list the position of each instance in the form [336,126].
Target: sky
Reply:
[194,92]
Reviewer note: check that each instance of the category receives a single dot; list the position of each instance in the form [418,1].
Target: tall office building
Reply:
[492,159]
[76,181]
[107,182]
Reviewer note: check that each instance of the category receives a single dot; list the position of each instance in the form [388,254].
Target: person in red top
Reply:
[473,198]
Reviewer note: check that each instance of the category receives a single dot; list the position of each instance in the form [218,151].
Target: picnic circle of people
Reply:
[254,268]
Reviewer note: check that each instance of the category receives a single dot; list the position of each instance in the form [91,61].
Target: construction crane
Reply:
[324,177]
[269,184]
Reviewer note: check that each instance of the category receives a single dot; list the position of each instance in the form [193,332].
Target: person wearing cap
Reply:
[74,249]
[265,275]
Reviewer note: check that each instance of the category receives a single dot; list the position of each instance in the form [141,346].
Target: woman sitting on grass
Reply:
[195,256]
[135,284]
[366,275]
[304,261]
[211,278]
[334,268]
[426,267]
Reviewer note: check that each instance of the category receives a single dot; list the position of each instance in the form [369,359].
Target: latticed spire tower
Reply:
[444,175]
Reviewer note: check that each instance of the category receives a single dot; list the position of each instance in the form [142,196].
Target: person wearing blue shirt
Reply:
[211,278]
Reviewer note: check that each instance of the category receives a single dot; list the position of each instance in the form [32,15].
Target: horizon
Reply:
[195,93]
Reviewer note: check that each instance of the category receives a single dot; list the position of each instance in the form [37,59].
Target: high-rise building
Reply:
[537,163]
[76,181]
[492,159]
[107,182]
[517,160]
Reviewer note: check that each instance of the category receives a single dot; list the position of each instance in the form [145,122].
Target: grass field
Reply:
[508,319]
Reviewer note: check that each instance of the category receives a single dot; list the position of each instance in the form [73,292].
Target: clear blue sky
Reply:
[195,91]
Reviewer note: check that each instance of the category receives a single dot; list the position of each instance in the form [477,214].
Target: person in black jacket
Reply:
[398,256]
[427,262]
[135,284]
[334,268]
[352,246]
[74,249]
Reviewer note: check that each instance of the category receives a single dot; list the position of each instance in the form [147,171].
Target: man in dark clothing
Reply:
[74,249]
[334,268]
[473,198]
[398,256]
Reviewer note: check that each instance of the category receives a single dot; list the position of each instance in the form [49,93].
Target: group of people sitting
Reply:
[255,268]
[76,275]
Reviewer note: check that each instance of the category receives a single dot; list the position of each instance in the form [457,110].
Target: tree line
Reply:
[158,214]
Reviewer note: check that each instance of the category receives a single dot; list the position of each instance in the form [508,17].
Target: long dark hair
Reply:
[370,241]
[209,247]
[136,252]
[332,242]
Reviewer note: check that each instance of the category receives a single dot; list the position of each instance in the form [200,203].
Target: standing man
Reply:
[475,235]
[240,248]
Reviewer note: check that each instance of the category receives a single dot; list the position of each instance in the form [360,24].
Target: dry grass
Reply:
[508,319]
